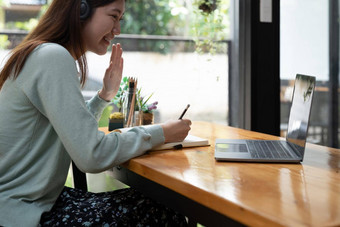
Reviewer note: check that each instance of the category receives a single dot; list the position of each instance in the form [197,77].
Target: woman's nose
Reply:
[116,29]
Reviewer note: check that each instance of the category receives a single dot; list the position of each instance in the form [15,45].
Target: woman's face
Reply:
[103,26]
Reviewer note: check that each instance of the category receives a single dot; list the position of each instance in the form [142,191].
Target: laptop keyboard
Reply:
[268,149]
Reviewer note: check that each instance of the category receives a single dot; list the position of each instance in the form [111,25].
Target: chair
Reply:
[79,178]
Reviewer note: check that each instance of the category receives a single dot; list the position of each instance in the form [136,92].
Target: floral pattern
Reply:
[124,207]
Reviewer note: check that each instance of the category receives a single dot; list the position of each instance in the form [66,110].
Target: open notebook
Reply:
[189,141]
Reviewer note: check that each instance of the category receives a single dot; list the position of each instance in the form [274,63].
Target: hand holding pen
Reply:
[176,130]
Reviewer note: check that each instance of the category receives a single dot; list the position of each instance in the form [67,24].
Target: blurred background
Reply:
[180,52]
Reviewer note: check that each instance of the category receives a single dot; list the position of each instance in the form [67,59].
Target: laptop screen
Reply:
[300,111]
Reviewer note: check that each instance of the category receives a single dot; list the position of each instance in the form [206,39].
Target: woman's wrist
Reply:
[107,96]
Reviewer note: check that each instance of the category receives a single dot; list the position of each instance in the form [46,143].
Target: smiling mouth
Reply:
[107,39]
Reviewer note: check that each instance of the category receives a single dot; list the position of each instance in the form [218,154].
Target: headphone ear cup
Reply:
[85,10]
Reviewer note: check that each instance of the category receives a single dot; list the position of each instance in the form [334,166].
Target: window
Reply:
[159,50]
[158,38]
[305,49]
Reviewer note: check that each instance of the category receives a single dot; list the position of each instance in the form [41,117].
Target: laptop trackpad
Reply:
[231,147]
[231,150]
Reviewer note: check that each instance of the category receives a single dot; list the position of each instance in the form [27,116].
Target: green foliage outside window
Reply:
[210,24]
[166,18]
[23,25]
[148,18]
[4,42]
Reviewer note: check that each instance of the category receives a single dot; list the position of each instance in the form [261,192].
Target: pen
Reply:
[178,147]
[184,111]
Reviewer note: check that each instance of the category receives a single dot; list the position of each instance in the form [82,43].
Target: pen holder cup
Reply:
[148,118]
[132,110]
[136,119]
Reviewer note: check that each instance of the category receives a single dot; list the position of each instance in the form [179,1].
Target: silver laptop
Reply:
[290,150]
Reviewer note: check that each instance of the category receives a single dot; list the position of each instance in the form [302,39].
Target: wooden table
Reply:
[220,193]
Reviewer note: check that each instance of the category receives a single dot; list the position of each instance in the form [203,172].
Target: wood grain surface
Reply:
[255,194]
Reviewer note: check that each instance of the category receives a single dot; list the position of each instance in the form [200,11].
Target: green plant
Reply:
[149,108]
[118,100]
[142,101]
[210,24]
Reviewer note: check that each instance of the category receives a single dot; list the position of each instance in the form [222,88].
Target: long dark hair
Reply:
[60,24]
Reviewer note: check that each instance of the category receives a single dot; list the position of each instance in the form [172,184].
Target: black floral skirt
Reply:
[124,207]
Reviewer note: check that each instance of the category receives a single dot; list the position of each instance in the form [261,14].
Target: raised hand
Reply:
[113,74]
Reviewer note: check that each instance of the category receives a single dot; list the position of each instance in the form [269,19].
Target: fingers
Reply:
[110,67]
[113,74]
[186,121]
[116,61]
[116,54]
[119,73]
[121,66]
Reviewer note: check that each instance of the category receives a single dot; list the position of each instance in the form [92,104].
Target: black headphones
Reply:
[85,10]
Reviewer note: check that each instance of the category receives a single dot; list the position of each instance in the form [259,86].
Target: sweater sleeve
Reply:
[96,106]
[52,86]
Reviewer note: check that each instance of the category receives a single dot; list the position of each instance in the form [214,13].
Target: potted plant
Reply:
[116,121]
[147,117]
[143,111]
[207,6]
[147,110]
[210,25]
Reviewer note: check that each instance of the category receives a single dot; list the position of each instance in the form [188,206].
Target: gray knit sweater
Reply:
[44,123]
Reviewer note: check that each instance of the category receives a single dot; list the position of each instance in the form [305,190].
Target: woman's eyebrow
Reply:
[115,10]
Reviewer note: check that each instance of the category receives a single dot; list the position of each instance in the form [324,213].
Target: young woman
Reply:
[45,123]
